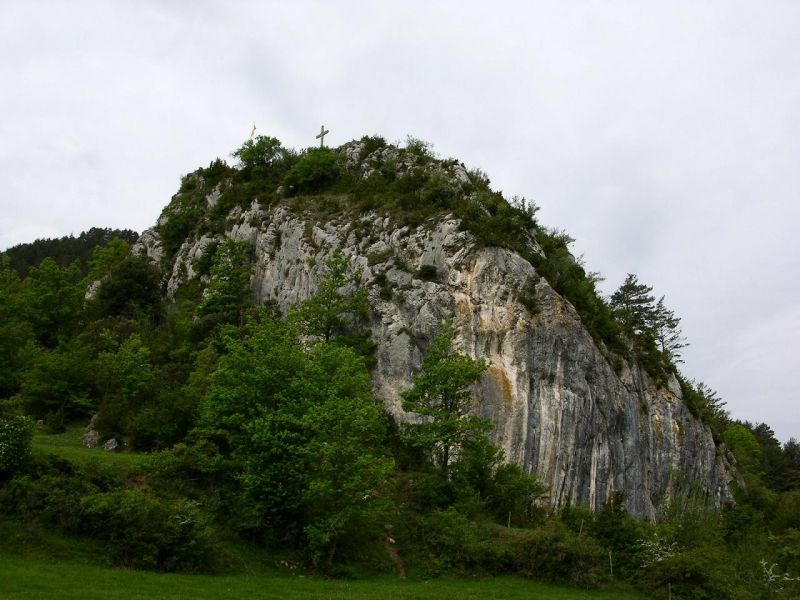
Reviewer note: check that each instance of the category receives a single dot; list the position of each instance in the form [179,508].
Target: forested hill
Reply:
[66,249]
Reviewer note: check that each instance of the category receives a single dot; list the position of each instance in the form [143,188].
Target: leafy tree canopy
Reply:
[442,396]
[338,305]
[262,151]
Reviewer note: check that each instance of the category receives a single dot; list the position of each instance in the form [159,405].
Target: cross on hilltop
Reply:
[321,137]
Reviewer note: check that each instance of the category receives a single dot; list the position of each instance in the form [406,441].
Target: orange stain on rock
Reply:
[499,376]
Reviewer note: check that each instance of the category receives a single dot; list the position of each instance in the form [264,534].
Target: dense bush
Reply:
[496,222]
[702,574]
[179,225]
[263,151]
[58,384]
[421,149]
[193,470]
[15,442]
[142,530]
[555,553]
[316,170]
[132,289]
[442,541]
[428,273]
[370,144]
[49,491]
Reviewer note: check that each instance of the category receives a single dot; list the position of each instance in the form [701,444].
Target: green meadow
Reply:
[23,578]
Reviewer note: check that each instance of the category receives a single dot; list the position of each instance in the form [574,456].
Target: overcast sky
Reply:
[664,137]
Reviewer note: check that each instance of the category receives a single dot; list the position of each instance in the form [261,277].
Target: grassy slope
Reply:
[69,446]
[25,578]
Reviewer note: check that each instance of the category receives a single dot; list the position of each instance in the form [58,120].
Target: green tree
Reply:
[126,381]
[310,435]
[227,291]
[568,277]
[633,305]
[132,289]
[65,250]
[106,258]
[508,493]
[55,300]
[705,404]
[339,303]
[262,151]
[441,396]
[57,385]
[15,329]
[745,448]
[771,456]
[651,328]
[790,466]
[666,327]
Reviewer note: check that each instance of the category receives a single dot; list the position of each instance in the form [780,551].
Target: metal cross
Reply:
[321,137]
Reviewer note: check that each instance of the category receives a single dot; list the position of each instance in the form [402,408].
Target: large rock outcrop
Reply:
[558,406]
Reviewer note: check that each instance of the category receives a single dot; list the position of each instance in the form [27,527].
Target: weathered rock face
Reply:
[559,408]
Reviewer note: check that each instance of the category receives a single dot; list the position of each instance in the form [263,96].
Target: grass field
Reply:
[24,578]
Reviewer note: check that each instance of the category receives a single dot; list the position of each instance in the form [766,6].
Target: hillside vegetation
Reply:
[243,432]
[64,250]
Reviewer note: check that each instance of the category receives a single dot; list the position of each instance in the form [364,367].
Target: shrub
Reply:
[496,222]
[420,148]
[178,225]
[202,265]
[700,574]
[379,257]
[262,151]
[318,169]
[529,298]
[440,191]
[144,531]
[132,289]
[554,553]
[370,145]
[192,470]
[16,434]
[427,272]
[51,489]
[444,540]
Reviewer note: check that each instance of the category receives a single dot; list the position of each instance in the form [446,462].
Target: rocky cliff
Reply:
[559,408]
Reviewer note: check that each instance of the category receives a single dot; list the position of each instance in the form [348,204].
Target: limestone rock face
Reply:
[149,244]
[559,408]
